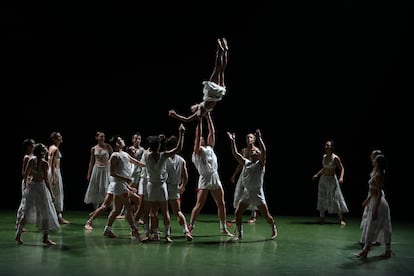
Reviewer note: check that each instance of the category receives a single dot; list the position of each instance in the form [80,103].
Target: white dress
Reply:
[174,166]
[252,179]
[207,166]
[156,177]
[379,229]
[330,197]
[57,189]
[37,207]
[99,180]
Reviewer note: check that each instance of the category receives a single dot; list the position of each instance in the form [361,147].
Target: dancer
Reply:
[214,89]
[98,171]
[55,174]
[205,161]
[377,224]
[373,155]
[176,182]
[252,180]
[155,165]
[120,171]
[330,196]
[28,145]
[238,190]
[38,206]
[136,151]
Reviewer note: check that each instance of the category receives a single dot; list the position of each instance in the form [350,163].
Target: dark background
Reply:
[301,72]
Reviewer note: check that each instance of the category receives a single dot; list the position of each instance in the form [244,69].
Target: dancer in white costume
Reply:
[28,145]
[330,197]
[98,171]
[176,182]
[55,175]
[377,224]
[119,189]
[205,160]
[38,205]
[238,190]
[214,89]
[136,151]
[157,194]
[373,155]
[251,177]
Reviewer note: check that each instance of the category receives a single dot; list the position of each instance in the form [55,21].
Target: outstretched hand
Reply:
[232,136]
[172,113]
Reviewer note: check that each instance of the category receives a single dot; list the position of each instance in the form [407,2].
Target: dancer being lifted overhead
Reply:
[214,89]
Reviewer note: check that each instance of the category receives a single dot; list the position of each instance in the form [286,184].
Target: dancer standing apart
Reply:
[330,197]
[377,225]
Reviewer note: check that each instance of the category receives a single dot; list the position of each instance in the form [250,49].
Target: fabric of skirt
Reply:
[37,207]
[98,185]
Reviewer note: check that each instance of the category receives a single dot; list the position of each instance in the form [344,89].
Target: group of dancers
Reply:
[140,183]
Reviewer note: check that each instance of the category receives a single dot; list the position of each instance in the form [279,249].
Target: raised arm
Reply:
[240,158]
[197,138]
[211,138]
[174,114]
[180,142]
[262,147]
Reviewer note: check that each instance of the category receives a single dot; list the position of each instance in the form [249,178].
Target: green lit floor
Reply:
[301,248]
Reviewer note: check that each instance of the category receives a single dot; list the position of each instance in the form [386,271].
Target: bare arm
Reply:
[211,139]
[236,173]
[240,158]
[379,181]
[45,168]
[180,142]
[182,118]
[262,148]
[113,161]
[184,178]
[27,172]
[26,159]
[196,148]
[341,169]
[135,161]
[91,163]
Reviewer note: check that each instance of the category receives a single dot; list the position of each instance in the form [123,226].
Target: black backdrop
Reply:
[302,73]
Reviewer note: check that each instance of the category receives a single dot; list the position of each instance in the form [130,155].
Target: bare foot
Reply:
[224,44]
[48,242]
[19,240]
[188,236]
[88,226]
[109,234]
[63,221]
[274,232]
[226,232]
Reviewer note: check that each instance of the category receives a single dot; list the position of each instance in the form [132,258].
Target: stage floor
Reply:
[302,247]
